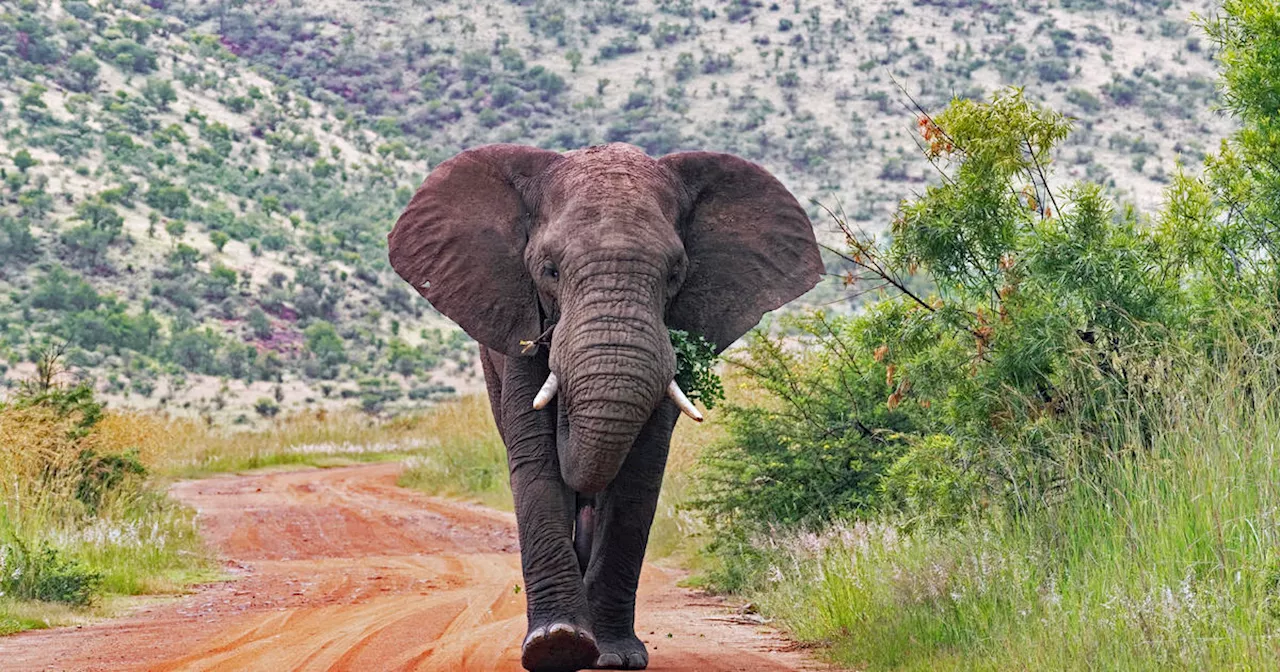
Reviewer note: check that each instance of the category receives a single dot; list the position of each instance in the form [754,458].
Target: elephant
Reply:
[569,269]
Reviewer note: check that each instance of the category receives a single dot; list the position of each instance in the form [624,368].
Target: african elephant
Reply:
[569,269]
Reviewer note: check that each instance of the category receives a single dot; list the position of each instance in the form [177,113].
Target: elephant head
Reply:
[613,248]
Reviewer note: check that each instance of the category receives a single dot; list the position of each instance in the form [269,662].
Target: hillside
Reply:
[197,193]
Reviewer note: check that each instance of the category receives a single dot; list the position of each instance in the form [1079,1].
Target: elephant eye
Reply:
[549,270]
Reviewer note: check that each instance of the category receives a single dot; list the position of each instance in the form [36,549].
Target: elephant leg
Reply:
[559,636]
[624,512]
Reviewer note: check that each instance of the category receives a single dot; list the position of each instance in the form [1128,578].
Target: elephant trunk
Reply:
[615,361]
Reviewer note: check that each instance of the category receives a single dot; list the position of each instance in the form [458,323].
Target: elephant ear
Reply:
[750,246]
[460,242]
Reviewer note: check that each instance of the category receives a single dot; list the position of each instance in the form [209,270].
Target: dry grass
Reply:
[79,526]
[36,459]
[318,439]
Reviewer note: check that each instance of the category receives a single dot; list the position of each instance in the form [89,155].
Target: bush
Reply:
[44,573]
[1085,100]
[1042,391]
[60,290]
[104,474]
[324,343]
[169,199]
[932,400]
[127,54]
[1124,568]
[16,240]
[266,407]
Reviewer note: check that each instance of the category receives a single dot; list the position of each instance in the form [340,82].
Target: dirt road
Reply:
[340,569]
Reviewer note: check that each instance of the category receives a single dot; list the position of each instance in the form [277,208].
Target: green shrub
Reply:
[16,240]
[23,160]
[42,572]
[1160,559]
[946,396]
[169,199]
[61,290]
[266,407]
[104,474]
[1085,100]
[78,519]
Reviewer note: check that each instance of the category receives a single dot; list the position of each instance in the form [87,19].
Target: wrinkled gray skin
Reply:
[611,248]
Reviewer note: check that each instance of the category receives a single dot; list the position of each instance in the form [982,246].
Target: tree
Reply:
[30,106]
[259,323]
[61,290]
[159,92]
[326,347]
[85,68]
[1244,177]
[102,225]
[169,199]
[175,228]
[184,256]
[36,46]
[219,239]
[23,160]
[16,240]
[270,204]
[1004,299]
[101,216]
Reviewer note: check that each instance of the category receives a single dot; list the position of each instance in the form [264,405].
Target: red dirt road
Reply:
[340,569]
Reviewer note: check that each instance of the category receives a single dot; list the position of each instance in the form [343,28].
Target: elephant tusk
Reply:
[546,393]
[686,406]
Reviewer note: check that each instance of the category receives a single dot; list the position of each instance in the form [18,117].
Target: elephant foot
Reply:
[627,653]
[558,647]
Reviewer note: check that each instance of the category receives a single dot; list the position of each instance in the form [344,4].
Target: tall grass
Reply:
[466,456]
[1168,557]
[193,449]
[80,520]
[676,531]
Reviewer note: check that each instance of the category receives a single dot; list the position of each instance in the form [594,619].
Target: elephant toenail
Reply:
[535,634]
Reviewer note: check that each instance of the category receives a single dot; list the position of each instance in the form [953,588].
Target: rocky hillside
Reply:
[196,194]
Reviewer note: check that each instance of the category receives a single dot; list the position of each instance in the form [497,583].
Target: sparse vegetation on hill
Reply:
[193,190]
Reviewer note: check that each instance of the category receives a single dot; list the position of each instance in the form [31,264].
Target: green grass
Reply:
[467,458]
[1169,559]
[19,615]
